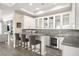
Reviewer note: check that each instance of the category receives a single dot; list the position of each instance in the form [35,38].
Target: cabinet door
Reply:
[40,22]
[66,19]
[36,23]
[45,22]
[51,22]
[57,22]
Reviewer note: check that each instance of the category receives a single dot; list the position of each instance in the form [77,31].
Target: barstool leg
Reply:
[21,43]
[24,44]
[27,45]
[34,49]
[31,49]
[40,49]
[17,42]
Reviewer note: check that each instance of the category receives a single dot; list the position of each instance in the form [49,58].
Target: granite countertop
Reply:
[35,34]
[71,41]
[71,36]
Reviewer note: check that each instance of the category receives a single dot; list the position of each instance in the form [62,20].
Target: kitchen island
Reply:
[41,38]
[70,42]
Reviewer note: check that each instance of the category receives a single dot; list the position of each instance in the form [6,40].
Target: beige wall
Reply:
[17,18]
[77,15]
[0,23]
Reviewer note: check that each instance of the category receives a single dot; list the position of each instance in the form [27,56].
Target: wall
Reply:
[17,18]
[0,28]
[29,22]
[73,16]
[0,23]
[77,15]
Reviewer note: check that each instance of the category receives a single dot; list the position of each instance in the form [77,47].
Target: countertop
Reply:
[72,41]
[35,34]
[71,36]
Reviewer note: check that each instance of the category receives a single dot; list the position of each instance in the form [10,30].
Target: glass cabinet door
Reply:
[45,22]
[66,19]
[57,22]
[40,22]
[51,22]
[36,23]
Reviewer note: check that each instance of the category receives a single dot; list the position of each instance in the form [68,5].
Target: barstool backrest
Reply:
[23,37]
[33,39]
[17,36]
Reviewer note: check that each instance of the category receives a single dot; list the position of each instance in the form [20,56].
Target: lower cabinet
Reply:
[56,43]
[48,41]
[59,42]
[70,51]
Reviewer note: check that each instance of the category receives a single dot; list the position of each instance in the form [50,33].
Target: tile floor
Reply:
[6,50]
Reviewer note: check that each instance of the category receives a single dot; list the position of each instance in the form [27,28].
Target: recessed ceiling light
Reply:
[37,8]
[40,12]
[30,4]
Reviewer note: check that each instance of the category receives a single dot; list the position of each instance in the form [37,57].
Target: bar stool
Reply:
[24,39]
[34,42]
[18,39]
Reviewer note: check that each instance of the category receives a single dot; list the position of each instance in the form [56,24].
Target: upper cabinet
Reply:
[51,22]
[45,22]
[29,22]
[66,19]
[40,22]
[57,21]
[36,23]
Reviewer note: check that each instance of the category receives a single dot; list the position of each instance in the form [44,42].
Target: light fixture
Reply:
[30,4]
[37,8]
[40,12]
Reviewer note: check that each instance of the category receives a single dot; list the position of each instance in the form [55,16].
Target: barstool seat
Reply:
[17,37]
[37,42]
[34,41]
[24,39]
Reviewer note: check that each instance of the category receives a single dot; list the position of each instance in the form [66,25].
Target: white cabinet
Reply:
[56,21]
[66,21]
[70,51]
[48,41]
[28,23]
[51,22]
[36,23]
[45,24]
[59,42]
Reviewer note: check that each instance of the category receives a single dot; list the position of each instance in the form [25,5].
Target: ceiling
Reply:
[31,8]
